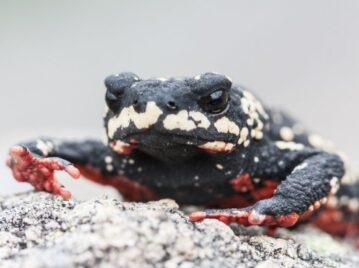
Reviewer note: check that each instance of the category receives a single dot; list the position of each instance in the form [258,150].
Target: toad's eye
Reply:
[215,102]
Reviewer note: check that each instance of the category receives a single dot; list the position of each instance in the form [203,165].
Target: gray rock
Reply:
[40,230]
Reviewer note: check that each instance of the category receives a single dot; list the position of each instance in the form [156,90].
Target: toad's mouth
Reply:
[169,141]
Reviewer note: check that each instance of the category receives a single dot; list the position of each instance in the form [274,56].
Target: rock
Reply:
[40,230]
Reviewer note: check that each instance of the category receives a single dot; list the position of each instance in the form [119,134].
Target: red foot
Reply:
[246,217]
[39,172]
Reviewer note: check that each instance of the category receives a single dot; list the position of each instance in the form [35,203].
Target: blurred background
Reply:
[299,55]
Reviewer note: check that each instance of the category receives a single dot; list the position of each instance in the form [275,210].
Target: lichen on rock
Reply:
[41,230]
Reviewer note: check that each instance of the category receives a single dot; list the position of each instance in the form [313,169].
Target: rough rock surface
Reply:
[40,230]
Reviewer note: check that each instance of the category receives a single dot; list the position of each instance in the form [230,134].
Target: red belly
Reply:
[130,190]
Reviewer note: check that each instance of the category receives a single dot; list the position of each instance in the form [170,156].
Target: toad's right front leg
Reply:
[36,161]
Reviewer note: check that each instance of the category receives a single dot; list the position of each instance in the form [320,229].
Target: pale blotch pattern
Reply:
[45,147]
[224,125]
[108,159]
[243,136]
[219,166]
[300,167]
[140,120]
[334,184]
[254,109]
[201,118]
[186,121]
[218,146]
[109,167]
[286,133]
[292,146]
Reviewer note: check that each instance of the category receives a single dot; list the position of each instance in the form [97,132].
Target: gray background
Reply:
[300,55]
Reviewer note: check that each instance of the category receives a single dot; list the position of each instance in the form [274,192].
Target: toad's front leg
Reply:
[36,161]
[313,176]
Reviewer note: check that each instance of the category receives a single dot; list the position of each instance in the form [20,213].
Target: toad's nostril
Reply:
[138,106]
[171,105]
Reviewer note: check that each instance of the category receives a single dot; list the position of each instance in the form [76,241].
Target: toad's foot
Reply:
[39,172]
[257,214]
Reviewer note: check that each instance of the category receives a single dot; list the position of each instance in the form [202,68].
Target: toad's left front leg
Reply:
[308,184]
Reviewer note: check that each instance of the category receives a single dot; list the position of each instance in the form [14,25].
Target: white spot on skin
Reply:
[141,120]
[286,134]
[183,121]
[246,143]
[300,167]
[292,146]
[257,180]
[108,159]
[45,147]
[224,125]
[250,122]
[109,168]
[256,159]
[134,85]
[334,184]
[131,161]
[197,77]
[219,166]
[217,146]
[196,177]
[243,135]
[333,181]
[257,134]
[139,169]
